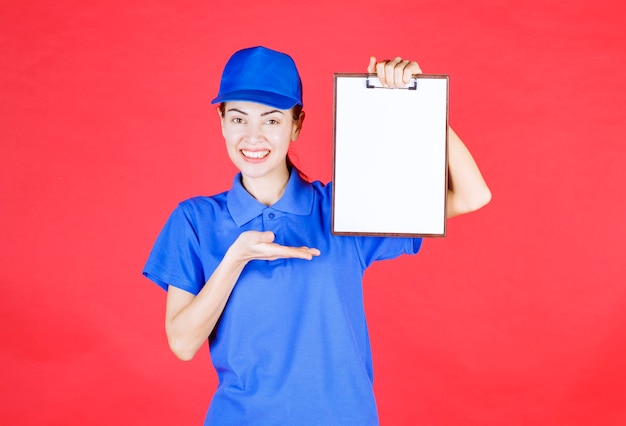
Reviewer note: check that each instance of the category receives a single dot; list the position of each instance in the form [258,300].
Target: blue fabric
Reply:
[262,75]
[292,346]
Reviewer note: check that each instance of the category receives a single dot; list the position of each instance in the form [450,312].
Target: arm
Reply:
[467,190]
[189,319]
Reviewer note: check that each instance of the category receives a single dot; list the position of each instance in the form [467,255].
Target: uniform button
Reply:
[271,215]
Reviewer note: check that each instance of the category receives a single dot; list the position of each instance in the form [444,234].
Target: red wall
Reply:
[516,318]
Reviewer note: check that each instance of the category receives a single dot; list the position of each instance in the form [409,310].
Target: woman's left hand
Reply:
[393,73]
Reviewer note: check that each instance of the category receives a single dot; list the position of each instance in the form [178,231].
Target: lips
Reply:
[255,155]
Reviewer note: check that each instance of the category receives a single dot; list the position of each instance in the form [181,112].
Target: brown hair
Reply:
[296,110]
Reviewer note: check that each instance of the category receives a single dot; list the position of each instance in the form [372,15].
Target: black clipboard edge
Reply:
[389,234]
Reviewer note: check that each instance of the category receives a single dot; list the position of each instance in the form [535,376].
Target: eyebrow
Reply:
[262,114]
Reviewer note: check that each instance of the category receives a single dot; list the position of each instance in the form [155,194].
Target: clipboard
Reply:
[390,156]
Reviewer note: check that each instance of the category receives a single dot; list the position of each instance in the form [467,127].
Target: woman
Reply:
[256,271]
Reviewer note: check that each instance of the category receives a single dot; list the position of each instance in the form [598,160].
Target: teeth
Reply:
[255,154]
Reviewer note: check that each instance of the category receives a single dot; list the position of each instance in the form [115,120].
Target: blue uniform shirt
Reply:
[292,346]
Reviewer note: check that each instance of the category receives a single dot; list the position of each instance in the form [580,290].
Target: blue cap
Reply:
[261,75]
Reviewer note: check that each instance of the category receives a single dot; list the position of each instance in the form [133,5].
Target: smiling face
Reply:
[257,140]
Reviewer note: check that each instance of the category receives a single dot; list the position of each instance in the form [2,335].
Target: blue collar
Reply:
[297,199]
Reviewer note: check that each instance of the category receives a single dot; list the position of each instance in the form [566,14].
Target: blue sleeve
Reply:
[175,259]
[371,249]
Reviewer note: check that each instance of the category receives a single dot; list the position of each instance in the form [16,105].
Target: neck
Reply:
[268,189]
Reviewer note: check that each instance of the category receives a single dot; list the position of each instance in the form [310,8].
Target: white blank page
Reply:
[390,157]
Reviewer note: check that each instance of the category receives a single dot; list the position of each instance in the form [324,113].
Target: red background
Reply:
[517,317]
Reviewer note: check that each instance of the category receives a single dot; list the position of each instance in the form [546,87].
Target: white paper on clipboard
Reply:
[390,157]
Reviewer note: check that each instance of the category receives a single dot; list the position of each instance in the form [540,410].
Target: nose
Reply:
[255,133]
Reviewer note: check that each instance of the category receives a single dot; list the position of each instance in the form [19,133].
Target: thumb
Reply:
[371,68]
[267,237]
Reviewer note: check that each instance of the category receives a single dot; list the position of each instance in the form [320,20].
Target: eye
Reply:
[237,120]
[272,122]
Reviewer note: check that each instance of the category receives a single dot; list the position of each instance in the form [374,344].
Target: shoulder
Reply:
[323,189]
[204,201]
[321,194]
[203,206]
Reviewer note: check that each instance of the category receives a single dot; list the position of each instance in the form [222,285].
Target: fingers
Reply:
[254,245]
[371,68]
[284,252]
[276,251]
[312,251]
[394,73]
[390,73]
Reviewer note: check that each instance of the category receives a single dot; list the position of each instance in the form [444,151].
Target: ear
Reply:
[297,126]
[219,113]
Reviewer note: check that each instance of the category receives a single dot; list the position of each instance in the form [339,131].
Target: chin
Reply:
[253,171]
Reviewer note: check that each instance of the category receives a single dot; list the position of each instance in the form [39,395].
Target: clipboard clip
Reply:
[375,84]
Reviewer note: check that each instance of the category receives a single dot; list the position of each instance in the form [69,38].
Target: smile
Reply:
[254,154]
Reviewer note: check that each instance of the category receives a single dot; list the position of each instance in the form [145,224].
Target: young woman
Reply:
[257,273]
